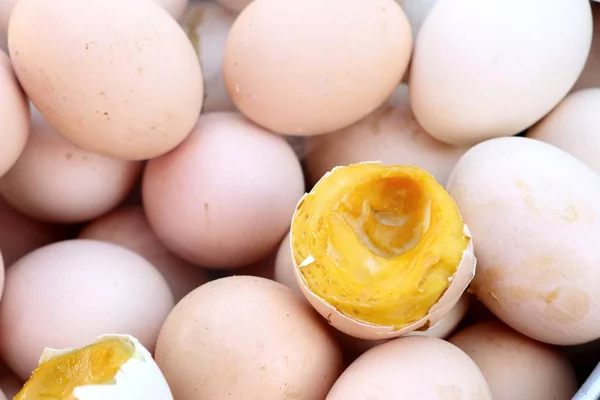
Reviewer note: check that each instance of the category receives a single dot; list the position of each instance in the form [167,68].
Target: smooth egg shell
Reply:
[480,70]
[465,272]
[535,216]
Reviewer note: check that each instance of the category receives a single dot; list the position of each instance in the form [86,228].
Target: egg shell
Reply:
[125,79]
[14,114]
[56,181]
[390,134]
[207,25]
[97,286]
[535,216]
[480,70]
[342,68]
[465,272]
[247,338]
[590,76]
[128,227]
[417,367]
[139,378]
[225,197]
[514,366]
[573,126]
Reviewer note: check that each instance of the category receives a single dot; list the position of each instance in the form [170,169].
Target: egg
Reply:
[535,217]
[247,338]
[390,134]
[514,366]
[67,293]
[480,70]
[6,7]
[589,77]
[10,384]
[125,80]
[207,25]
[412,368]
[416,11]
[174,7]
[14,114]
[284,266]
[56,181]
[129,228]
[573,126]
[304,67]
[113,367]
[235,5]
[225,197]
[380,251]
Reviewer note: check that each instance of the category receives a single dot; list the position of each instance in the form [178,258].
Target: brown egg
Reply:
[247,338]
[412,368]
[68,293]
[207,25]
[514,366]
[56,181]
[14,114]
[590,76]
[235,5]
[304,67]
[129,228]
[226,196]
[391,135]
[117,78]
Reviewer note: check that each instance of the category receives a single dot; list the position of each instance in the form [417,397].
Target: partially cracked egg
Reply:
[380,251]
[114,367]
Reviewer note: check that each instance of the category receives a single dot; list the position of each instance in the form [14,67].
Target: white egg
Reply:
[139,378]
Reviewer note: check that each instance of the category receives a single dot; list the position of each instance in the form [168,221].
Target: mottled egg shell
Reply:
[535,217]
[207,25]
[412,368]
[14,114]
[130,84]
[299,81]
[128,227]
[390,134]
[514,366]
[574,126]
[482,70]
[220,207]
[247,338]
[56,181]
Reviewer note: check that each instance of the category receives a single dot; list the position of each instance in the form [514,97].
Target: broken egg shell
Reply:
[138,379]
[465,272]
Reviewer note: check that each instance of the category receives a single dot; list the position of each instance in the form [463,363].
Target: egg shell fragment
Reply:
[535,214]
[464,274]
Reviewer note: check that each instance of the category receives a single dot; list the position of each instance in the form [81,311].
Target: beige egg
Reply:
[480,70]
[225,197]
[380,251]
[129,228]
[247,338]
[412,368]
[590,77]
[235,5]
[56,181]
[174,7]
[390,134]
[117,78]
[574,126]
[416,11]
[68,293]
[14,114]
[318,79]
[514,366]
[284,266]
[207,25]
[534,213]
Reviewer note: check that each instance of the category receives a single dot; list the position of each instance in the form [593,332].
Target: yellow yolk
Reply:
[384,241]
[96,364]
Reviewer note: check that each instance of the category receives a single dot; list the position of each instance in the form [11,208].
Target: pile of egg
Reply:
[190,191]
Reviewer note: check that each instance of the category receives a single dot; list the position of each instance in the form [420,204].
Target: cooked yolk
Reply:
[56,378]
[385,242]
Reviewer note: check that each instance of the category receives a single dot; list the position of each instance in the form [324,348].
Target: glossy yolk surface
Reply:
[96,364]
[385,242]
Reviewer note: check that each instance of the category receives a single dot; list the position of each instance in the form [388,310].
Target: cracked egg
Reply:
[114,367]
[380,250]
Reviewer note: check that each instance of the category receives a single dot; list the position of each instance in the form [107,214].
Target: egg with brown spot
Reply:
[534,213]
